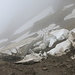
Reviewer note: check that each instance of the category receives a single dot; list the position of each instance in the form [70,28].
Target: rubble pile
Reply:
[58,40]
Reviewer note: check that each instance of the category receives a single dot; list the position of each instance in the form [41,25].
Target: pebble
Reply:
[44,68]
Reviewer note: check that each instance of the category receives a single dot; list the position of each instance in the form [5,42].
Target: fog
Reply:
[15,13]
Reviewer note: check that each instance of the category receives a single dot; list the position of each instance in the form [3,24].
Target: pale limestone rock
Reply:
[36,49]
[52,41]
[37,44]
[60,48]
[8,52]
[60,34]
[72,38]
[43,46]
[13,50]
[33,57]
[40,47]
[44,55]
[25,49]
[72,57]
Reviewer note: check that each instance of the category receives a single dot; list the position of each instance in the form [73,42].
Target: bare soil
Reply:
[62,65]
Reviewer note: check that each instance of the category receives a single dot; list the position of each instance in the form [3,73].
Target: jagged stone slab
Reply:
[60,48]
[72,38]
[60,34]
[31,58]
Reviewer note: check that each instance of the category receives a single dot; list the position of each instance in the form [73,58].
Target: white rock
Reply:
[56,27]
[51,27]
[45,38]
[60,34]
[33,57]
[40,47]
[43,46]
[45,55]
[48,29]
[36,49]
[60,48]
[8,52]
[52,40]
[72,57]
[14,50]
[31,51]
[72,15]
[73,30]
[68,6]
[37,44]
[40,53]
[72,38]
[25,49]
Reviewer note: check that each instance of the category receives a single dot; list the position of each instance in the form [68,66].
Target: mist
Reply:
[15,13]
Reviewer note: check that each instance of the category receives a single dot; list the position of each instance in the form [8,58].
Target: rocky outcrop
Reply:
[60,48]
[58,41]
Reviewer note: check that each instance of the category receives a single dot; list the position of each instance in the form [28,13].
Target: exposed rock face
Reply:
[50,38]
[60,48]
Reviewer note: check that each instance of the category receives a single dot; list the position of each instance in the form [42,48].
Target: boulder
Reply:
[40,47]
[14,50]
[60,34]
[43,46]
[72,38]
[25,49]
[48,39]
[52,40]
[45,38]
[31,58]
[60,48]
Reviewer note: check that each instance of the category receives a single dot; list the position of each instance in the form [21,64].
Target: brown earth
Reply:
[62,65]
